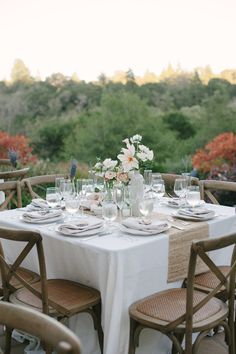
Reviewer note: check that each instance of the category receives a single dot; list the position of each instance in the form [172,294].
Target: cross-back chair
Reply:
[59,298]
[40,183]
[181,312]
[208,187]
[5,162]
[50,331]
[12,190]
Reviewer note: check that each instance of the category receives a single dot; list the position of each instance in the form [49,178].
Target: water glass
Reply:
[146,207]
[193,196]
[181,187]
[118,196]
[72,205]
[109,213]
[158,186]
[53,196]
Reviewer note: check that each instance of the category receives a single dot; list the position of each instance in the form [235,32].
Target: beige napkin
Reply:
[80,227]
[199,213]
[36,216]
[156,226]
[38,204]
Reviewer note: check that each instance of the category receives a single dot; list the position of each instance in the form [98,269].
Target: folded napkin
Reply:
[38,204]
[80,227]
[200,213]
[39,216]
[152,228]
[93,200]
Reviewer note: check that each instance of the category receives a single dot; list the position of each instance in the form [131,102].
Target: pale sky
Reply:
[93,36]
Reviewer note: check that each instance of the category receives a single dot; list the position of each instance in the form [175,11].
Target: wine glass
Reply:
[109,213]
[146,207]
[193,196]
[52,196]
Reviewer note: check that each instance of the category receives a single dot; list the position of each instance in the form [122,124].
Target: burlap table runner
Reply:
[179,247]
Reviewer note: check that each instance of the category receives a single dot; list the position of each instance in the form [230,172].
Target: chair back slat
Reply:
[39,182]
[11,189]
[209,187]
[50,331]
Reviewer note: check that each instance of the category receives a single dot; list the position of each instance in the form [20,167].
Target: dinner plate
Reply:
[43,221]
[206,217]
[91,232]
[143,233]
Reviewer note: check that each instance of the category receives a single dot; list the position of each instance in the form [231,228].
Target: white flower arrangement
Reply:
[133,157]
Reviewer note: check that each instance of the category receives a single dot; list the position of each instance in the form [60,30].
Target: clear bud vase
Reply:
[136,189]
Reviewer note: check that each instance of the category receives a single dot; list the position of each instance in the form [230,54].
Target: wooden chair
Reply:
[50,331]
[39,182]
[181,312]
[208,187]
[16,175]
[12,190]
[55,297]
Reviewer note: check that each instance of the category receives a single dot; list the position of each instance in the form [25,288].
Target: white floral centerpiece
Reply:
[133,157]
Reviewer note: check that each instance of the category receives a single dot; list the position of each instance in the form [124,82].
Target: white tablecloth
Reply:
[124,269]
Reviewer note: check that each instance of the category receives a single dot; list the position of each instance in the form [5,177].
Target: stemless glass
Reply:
[72,206]
[53,196]
[146,207]
[158,186]
[109,213]
[193,196]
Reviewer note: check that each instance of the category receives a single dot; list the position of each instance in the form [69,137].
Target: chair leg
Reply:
[180,337]
[98,317]
[8,340]
[132,344]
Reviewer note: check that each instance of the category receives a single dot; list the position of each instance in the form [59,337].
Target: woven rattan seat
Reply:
[26,274]
[170,305]
[53,334]
[62,292]
[178,313]
[60,298]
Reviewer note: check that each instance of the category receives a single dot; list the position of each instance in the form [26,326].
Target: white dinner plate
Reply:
[91,232]
[43,221]
[135,232]
[206,217]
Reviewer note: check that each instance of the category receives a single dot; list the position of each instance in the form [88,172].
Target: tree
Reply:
[180,123]
[20,73]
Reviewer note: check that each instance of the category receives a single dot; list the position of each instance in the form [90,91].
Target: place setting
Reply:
[80,228]
[144,225]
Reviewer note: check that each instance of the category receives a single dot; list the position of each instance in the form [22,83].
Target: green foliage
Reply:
[65,118]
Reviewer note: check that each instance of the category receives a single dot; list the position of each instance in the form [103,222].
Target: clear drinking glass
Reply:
[53,196]
[146,207]
[193,196]
[158,186]
[109,213]
[72,205]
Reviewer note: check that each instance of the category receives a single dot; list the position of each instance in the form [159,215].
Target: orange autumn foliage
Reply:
[219,154]
[18,143]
